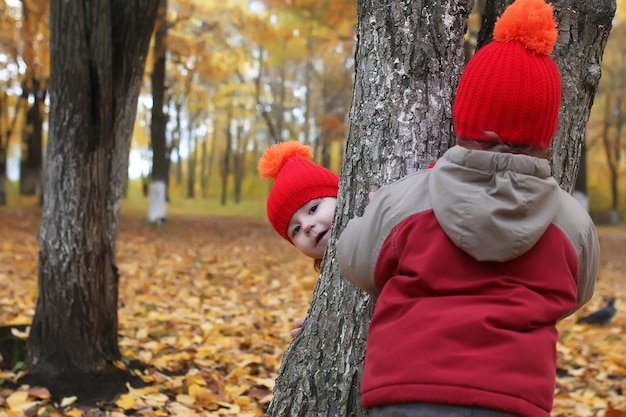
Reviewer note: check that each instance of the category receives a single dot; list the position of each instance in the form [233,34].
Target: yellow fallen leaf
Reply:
[156,400]
[194,389]
[179,410]
[68,401]
[17,399]
[242,401]
[74,413]
[126,401]
[195,380]
[185,399]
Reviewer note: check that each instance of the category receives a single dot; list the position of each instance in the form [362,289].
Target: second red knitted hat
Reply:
[297,180]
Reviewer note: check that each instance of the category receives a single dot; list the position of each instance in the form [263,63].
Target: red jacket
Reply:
[473,262]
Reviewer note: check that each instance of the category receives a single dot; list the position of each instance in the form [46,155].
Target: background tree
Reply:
[34,90]
[98,52]
[408,63]
[158,121]
[605,131]
[24,48]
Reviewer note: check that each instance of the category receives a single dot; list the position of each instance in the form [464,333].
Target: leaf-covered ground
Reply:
[208,304]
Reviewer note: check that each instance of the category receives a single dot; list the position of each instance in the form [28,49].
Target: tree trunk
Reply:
[4,145]
[204,160]
[98,53]
[226,159]
[616,151]
[3,174]
[584,29]
[239,162]
[192,159]
[7,126]
[408,60]
[32,140]
[580,187]
[157,207]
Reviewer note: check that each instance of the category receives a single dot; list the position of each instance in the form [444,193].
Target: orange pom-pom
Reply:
[276,155]
[531,22]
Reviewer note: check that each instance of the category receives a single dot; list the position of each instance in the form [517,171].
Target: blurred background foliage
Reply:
[241,75]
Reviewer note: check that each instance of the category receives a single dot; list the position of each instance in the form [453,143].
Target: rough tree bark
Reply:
[584,28]
[408,61]
[98,53]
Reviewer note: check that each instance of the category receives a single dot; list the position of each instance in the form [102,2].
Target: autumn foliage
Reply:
[206,304]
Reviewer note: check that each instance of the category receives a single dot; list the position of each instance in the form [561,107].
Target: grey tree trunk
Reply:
[584,29]
[408,62]
[98,53]
[409,58]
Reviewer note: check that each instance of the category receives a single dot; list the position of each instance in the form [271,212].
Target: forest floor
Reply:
[206,303]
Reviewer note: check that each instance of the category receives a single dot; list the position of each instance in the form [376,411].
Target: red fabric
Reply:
[510,92]
[449,329]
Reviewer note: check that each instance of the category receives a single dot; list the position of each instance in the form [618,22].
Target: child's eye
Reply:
[295,231]
[314,208]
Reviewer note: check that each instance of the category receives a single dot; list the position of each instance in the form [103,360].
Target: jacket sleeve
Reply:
[581,231]
[589,260]
[360,242]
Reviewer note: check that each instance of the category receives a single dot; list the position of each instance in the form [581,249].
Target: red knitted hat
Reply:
[511,87]
[297,181]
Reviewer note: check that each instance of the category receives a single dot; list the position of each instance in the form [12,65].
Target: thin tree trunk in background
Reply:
[98,53]
[4,145]
[204,160]
[580,187]
[191,163]
[239,163]
[176,140]
[7,126]
[225,172]
[157,206]
[323,137]
[31,163]
[212,157]
[34,91]
[401,106]
[264,108]
[3,174]
[617,150]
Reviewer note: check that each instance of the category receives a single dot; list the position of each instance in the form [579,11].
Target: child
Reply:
[301,203]
[475,260]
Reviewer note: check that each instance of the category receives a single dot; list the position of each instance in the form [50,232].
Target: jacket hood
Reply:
[493,206]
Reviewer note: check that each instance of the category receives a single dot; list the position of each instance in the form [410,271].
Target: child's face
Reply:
[309,227]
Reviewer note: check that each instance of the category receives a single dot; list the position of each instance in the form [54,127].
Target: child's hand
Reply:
[373,189]
[298,327]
